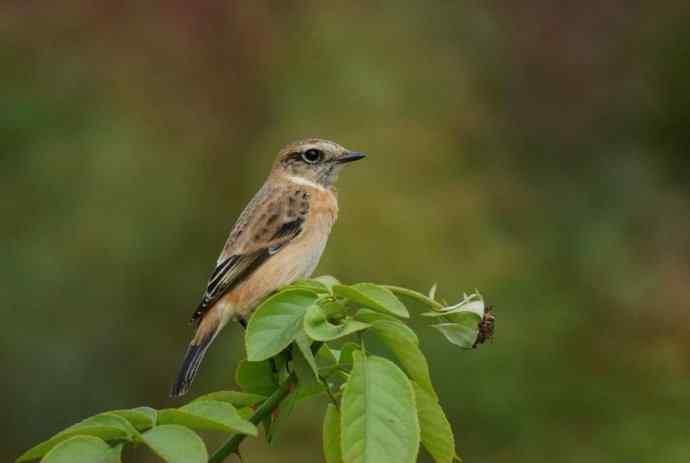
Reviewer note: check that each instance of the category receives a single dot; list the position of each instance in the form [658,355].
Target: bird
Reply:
[278,239]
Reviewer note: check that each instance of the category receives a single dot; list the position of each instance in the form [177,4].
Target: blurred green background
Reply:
[536,151]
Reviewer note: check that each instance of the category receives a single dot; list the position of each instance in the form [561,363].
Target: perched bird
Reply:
[278,239]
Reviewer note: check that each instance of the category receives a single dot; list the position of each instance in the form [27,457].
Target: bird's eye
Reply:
[312,156]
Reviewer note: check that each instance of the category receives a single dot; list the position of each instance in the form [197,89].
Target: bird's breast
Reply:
[295,261]
[309,246]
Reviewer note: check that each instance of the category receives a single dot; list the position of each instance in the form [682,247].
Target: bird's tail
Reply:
[205,335]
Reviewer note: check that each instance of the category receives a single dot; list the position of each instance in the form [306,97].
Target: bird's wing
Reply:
[269,223]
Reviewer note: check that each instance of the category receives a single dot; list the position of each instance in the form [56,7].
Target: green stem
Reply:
[232,445]
[415,295]
[331,397]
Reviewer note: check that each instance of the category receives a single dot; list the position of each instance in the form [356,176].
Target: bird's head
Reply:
[314,160]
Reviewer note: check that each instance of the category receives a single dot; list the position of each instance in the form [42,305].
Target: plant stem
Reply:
[415,295]
[264,410]
[232,445]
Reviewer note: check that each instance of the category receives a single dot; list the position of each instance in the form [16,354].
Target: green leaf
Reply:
[115,454]
[328,281]
[336,353]
[208,415]
[318,327]
[396,328]
[80,449]
[245,413]
[256,377]
[308,382]
[473,311]
[437,435]
[370,316]
[311,285]
[459,334]
[403,342]
[321,285]
[334,309]
[107,427]
[176,444]
[331,435]
[379,418]
[103,432]
[374,297]
[276,322]
[461,321]
[108,419]
[326,361]
[413,299]
[142,418]
[346,353]
[304,345]
[472,304]
[467,319]
[432,291]
[235,398]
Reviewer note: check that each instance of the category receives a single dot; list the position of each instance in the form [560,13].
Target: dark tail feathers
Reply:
[190,365]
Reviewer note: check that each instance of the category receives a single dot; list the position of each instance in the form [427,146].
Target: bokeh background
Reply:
[537,151]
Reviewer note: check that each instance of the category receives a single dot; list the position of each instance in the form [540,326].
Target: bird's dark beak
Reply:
[350,156]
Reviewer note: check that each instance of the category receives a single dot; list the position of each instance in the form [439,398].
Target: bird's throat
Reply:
[305,182]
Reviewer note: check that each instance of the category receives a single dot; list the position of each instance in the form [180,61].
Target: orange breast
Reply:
[297,260]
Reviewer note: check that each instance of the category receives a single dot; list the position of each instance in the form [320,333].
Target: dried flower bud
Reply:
[486,327]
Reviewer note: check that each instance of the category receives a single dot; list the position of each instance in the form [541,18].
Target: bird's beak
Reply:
[350,156]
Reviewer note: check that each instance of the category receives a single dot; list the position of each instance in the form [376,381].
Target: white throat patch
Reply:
[305,182]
